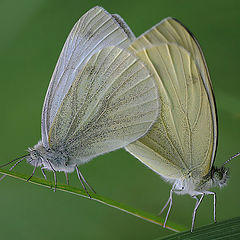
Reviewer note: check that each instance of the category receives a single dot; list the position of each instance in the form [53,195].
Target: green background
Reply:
[32,35]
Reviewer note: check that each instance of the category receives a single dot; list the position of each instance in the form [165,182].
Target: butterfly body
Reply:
[194,184]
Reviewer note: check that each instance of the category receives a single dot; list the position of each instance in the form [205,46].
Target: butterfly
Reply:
[100,98]
[181,145]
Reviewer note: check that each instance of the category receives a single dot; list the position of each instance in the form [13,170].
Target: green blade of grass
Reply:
[228,229]
[111,203]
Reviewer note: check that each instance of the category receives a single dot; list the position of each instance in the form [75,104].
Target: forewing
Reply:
[182,139]
[171,30]
[113,101]
[94,30]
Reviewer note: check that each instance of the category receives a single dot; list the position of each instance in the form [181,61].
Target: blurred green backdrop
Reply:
[32,35]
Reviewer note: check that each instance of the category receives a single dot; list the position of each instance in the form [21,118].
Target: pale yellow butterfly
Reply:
[181,145]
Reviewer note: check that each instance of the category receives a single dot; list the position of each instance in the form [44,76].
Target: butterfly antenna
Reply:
[11,168]
[234,156]
[13,160]
[82,181]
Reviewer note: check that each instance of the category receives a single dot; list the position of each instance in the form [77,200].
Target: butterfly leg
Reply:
[67,179]
[89,186]
[214,204]
[33,172]
[82,181]
[55,176]
[198,201]
[43,173]
[55,180]
[164,206]
[170,206]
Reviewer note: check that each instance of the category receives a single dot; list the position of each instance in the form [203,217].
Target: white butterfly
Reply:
[181,145]
[100,98]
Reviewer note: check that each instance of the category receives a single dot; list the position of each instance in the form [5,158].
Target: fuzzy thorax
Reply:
[49,159]
[217,177]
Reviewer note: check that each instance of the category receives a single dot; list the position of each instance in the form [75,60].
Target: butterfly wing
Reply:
[112,102]
[182,139]
[170,30]
[94,30]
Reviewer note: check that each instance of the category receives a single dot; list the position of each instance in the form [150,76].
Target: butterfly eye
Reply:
[34,154]
[218,176]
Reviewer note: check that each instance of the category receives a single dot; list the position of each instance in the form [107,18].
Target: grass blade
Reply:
[111,203]
[228,229]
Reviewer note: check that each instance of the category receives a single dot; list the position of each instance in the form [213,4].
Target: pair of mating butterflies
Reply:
[151,95]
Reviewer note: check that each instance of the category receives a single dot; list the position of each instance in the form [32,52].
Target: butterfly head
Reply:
[35,157]
[49,159]
[220,176]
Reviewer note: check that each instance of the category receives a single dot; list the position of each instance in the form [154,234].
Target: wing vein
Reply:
[175,92]
[76,130]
